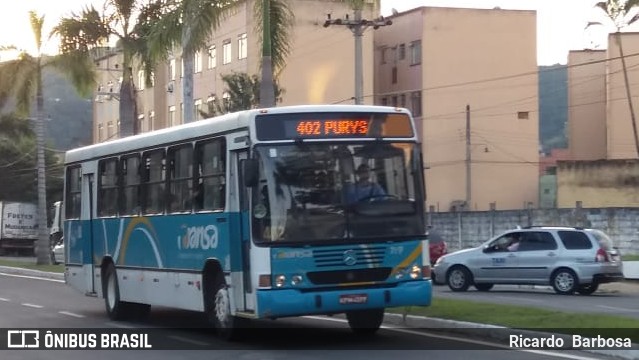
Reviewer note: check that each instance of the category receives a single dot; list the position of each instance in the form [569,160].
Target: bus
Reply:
[247,216]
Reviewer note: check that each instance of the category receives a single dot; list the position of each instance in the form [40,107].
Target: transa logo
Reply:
[198,237]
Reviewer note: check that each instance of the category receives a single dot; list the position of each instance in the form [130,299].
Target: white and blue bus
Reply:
[251,215]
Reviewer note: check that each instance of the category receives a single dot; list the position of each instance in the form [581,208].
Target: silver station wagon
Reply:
[568,259]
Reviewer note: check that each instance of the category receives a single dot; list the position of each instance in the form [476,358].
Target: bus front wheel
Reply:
[116,309]
[365,322]
[219,311]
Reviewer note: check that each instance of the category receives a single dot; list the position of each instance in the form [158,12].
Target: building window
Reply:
[197,62]
[171,115]
[394,75]
[242,46]
[416,103]
[402,100]
[402,51]
[226,52]
[198,108]
[100,132]
[182,113]
[416,52]
[383,51]
[226,99]
[172,69]
[394,100]
[110,130]
[141,80]
[522,115]
[384,101]
[141,127]
[212,57]
[151,120]
[152,78]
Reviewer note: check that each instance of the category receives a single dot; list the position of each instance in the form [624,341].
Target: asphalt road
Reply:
[34,303]
[621,299]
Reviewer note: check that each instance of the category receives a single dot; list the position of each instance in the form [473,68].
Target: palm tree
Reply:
[243,94]
[618,11]
[191,23]
[23,79]
[128,21]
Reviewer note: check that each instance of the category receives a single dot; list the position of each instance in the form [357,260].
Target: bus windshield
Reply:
[322,192]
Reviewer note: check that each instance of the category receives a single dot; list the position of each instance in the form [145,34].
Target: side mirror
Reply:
[250,170]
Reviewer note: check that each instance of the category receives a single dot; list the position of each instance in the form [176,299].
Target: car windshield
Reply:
[322,192]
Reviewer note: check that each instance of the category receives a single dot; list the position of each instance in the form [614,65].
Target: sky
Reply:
[560,23]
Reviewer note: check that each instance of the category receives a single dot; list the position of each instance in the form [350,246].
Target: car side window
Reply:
[574,240]
[507,242]
[537,240]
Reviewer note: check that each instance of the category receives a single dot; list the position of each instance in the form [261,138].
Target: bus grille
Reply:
[348,276]
[371,256]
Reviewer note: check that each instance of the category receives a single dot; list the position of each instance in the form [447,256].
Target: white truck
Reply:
[18,227]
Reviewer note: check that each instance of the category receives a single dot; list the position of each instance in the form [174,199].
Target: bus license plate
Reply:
[353,299]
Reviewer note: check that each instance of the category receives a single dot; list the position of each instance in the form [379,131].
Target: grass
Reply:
[32,265]
[630,257]
[521,317]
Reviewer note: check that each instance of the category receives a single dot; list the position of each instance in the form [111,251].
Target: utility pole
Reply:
[357,26]
[468,160]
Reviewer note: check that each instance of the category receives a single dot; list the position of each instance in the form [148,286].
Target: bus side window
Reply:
[153,182]
[131,178]
[108,187]
[210,171]
[180,178]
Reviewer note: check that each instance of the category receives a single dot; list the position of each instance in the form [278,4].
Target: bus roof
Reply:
[216,125]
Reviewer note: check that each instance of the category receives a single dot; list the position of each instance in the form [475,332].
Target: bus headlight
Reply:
[280,280]
[415,272]
[296,280]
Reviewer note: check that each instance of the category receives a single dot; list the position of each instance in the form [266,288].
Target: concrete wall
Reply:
[468,229]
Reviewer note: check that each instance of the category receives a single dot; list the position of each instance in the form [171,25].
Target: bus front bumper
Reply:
[293,302]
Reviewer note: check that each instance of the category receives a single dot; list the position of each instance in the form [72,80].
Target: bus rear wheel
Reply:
[365,322]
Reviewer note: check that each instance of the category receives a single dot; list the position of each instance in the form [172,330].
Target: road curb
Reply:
[29,272]
[498,334]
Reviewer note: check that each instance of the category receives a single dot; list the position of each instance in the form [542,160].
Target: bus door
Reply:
[88,206]
[240,200]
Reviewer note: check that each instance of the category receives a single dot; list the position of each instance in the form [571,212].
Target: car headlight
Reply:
[280,280]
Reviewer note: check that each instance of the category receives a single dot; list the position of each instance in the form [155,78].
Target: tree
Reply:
[618,11]
[190,23]
[128,21]
[243,94]
[22,79]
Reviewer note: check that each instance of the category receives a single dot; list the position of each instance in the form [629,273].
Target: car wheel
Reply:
[483,287]
[587,289]
[458,278]
[564,281]
[365,322]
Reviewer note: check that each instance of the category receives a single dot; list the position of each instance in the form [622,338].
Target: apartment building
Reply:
[436,62]
[319,69]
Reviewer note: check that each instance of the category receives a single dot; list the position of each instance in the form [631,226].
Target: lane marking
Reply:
[32,305]
[617,308]
[3,299]
[190,341]
[478,342]
[71,314]
[123,326]
[32,277]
